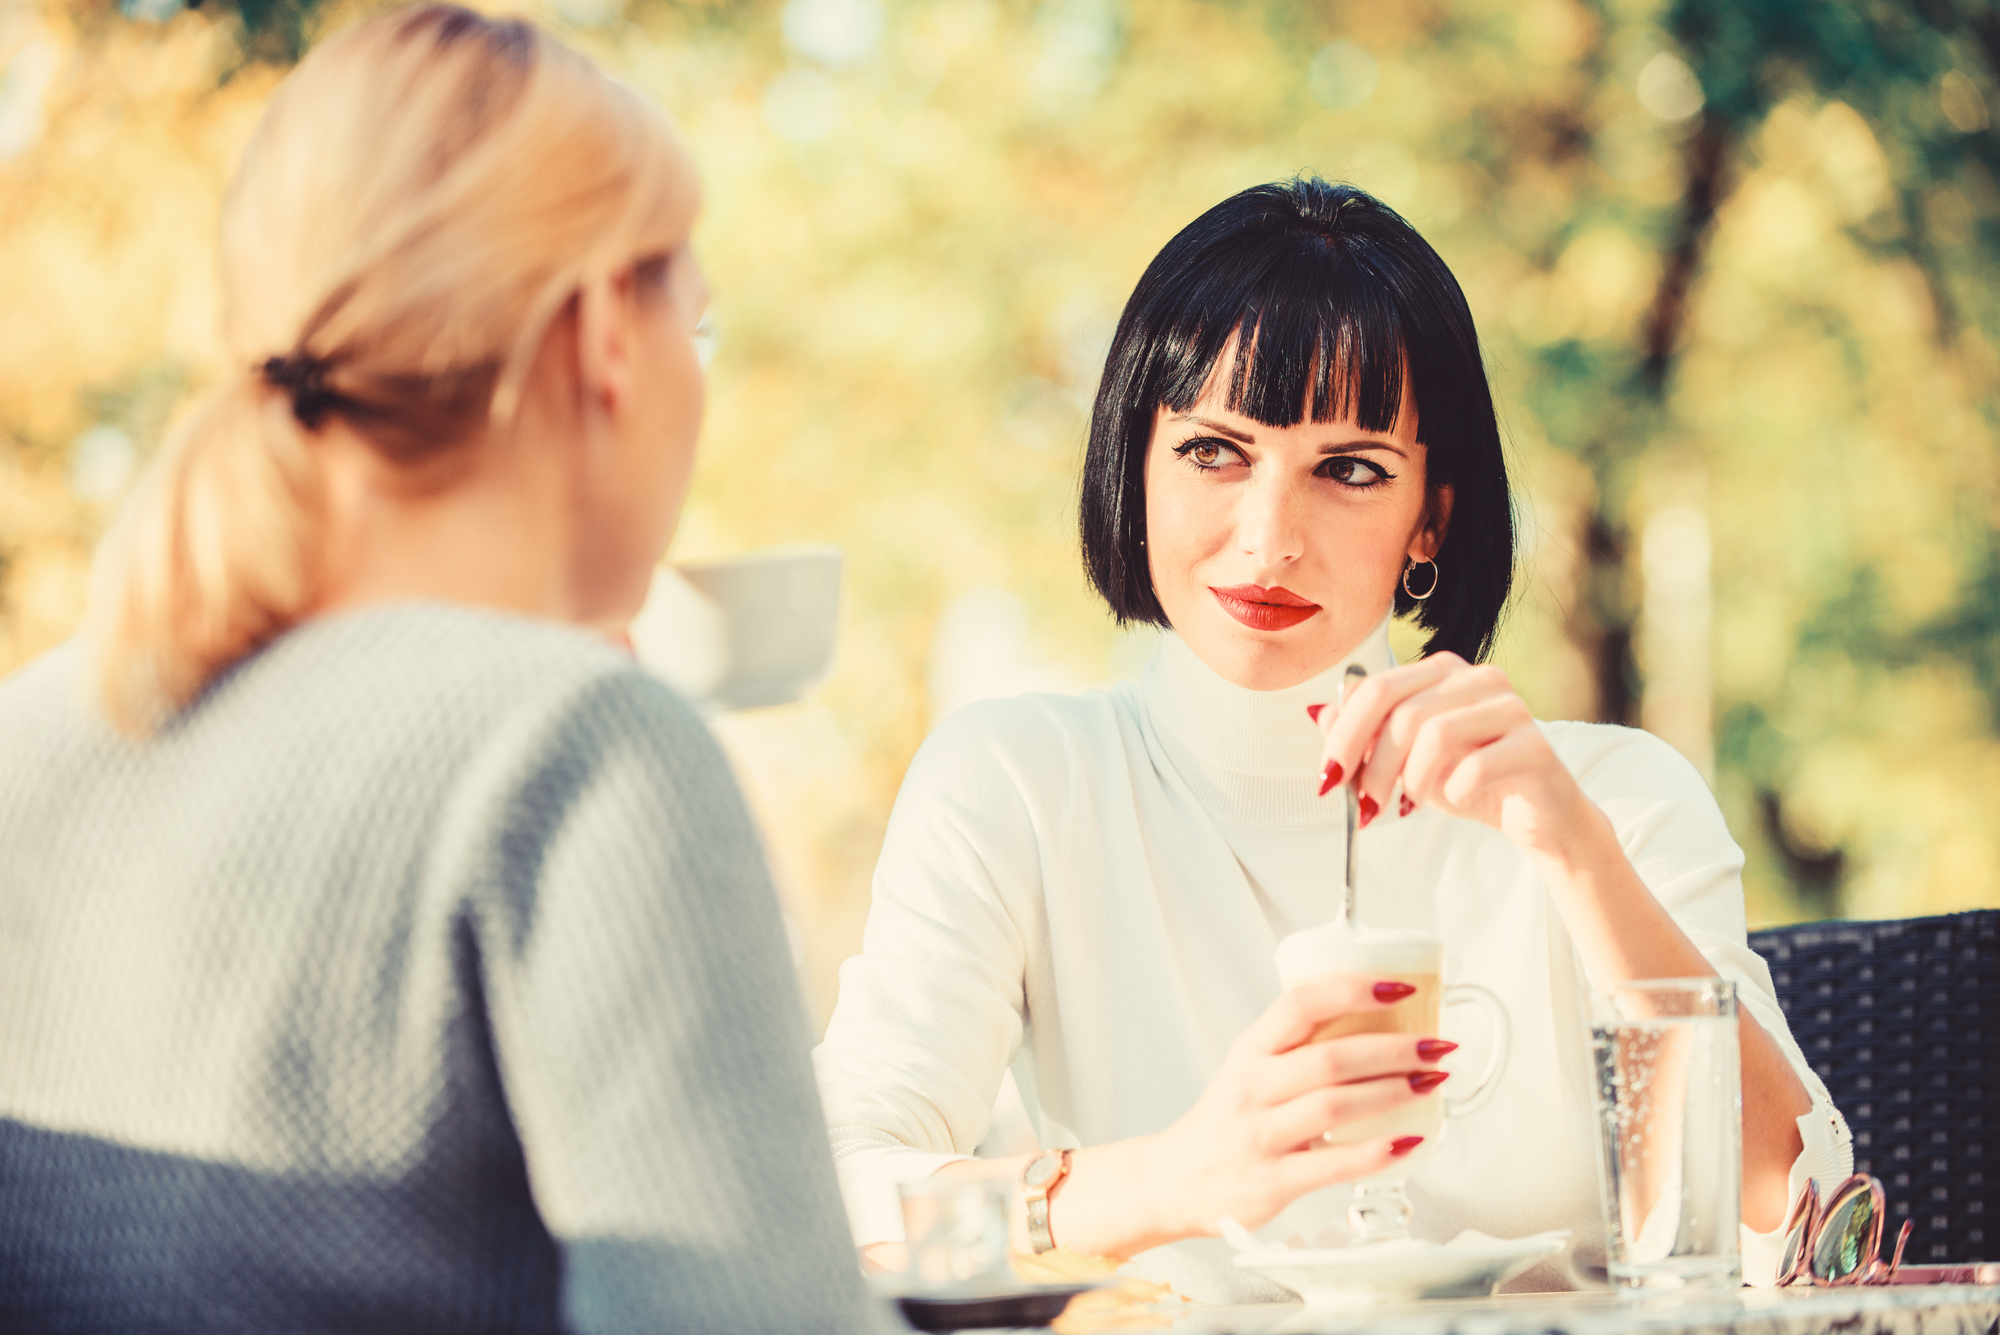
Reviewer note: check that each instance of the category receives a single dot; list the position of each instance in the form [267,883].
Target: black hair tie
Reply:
[303,378]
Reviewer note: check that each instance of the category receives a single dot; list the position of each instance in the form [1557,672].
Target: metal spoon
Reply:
[1348,680]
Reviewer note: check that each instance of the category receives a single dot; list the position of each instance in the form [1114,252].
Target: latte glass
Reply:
[1380,1210]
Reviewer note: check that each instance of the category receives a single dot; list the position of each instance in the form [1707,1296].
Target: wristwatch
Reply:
[1043,1174]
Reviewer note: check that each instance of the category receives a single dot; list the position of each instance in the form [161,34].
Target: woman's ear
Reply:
[606,344]
[1437,522]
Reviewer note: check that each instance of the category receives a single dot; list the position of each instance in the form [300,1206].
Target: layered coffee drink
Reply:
[1380,1210]
[1378,956]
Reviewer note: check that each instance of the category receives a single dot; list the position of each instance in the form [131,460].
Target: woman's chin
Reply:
[1262,660]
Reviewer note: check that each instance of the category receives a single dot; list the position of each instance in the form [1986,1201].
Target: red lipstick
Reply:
[1259,608]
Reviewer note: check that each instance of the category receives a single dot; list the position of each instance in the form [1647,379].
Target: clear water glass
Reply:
[1669,1103]
[957,1229]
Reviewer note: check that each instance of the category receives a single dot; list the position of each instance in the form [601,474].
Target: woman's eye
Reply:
[1353,472]
[1205,454]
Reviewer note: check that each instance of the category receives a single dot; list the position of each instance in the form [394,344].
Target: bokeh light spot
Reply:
[1079,40]
[23,89]
[1962,103]
[101,463]
[1668,88]
[1342,75]
[151,11]
[802,106]
[839,34]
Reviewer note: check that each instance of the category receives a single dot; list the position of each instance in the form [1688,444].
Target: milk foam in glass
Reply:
[1402,957]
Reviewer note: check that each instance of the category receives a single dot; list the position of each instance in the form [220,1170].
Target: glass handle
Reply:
[1471,994]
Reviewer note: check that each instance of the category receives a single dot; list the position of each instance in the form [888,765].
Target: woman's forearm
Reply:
[1253,1142]
[1625,934]
[1107,1204]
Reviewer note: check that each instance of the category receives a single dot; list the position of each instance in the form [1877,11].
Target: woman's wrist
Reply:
[1574,845]
[1565,832]
[1117,1200]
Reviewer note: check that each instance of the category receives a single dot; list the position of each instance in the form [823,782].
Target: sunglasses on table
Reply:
[1840,1242]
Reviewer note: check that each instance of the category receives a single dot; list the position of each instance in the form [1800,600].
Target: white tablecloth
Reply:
[1893,1310]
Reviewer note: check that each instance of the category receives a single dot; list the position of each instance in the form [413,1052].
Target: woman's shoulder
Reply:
[1640,781]
[434,644]
[437,698]
[424,684]
[522,702]
[1039,742]
[511,730]
[1609,755]
[467,668]
[1036,726]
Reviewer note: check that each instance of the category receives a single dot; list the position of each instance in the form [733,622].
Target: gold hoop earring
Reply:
[1436,575]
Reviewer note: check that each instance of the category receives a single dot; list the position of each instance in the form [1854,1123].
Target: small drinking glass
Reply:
[958,1233]
[1841,1244]
[1669,1101]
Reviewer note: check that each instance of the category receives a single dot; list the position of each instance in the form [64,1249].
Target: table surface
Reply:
[1892,1310]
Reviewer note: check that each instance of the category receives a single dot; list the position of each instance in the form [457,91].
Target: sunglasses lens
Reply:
[1846,1238]
[1798,1222]
[1795,1242]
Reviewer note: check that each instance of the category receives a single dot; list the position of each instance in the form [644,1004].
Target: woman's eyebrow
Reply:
[1350,446]
[1218,428]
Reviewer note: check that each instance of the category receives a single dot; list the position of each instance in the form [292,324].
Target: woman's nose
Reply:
[1270,523]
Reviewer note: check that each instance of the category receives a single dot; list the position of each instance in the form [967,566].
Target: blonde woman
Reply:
[379,948]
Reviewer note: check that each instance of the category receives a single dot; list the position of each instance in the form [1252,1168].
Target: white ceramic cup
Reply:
[744,632]
[1406,957]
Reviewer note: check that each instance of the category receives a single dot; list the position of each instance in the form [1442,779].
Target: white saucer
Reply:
[1471,1265]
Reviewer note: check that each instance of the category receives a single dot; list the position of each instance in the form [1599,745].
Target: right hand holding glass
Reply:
[1253,1143]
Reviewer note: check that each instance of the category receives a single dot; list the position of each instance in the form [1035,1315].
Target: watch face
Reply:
[1042,1171]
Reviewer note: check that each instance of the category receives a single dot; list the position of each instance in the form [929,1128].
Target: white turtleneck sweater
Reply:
[1090,889]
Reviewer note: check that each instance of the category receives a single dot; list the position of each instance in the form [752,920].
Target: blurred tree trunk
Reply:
[1604,623]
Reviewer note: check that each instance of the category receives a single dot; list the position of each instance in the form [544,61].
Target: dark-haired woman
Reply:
[1293,441]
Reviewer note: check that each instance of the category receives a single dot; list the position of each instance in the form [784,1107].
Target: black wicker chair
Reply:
[1902,1021]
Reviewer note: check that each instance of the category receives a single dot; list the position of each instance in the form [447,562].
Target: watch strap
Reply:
[1036,1199]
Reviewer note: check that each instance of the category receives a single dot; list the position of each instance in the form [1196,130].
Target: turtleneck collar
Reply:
[1240,732]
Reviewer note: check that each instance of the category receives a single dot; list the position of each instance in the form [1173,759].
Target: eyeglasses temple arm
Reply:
[1902,1241]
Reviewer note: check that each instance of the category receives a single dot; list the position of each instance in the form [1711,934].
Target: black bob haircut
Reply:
[1337,299]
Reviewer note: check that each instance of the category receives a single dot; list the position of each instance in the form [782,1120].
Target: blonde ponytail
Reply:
[209,559]
[419,201]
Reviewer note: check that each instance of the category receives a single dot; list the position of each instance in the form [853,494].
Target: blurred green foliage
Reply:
[1729,257]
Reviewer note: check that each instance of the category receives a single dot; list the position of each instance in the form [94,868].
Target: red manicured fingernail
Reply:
[1430,1049]
[1426,1081]
[1370,808]
[1402,1145]
[1393,991]
[1405,805]
[1329,777]
[1312,712]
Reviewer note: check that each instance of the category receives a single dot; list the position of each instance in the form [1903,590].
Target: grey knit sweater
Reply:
[425,975]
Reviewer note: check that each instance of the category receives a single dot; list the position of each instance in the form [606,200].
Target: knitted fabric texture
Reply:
[424,975]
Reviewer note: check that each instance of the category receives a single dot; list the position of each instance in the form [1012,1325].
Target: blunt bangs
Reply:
[1305,300]
[1296,349]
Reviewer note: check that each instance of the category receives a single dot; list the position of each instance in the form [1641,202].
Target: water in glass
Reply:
[1670,1108]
